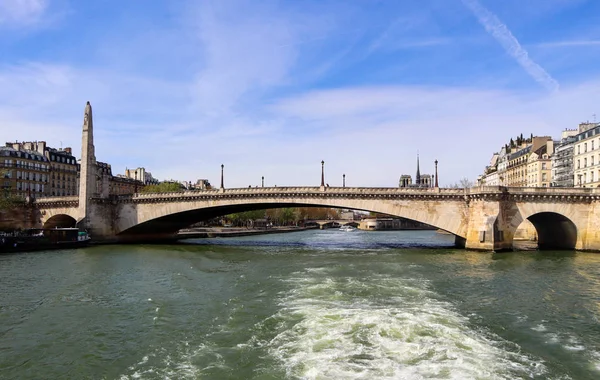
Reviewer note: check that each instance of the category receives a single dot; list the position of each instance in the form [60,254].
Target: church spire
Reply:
[418,177]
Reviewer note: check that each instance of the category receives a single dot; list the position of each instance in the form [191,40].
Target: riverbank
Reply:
[212,232]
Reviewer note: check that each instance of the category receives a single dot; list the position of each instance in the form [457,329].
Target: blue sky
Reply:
[271,88]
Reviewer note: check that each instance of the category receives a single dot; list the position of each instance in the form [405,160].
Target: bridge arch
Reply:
[557,226]
[146,219]
[60,221]
[554,231]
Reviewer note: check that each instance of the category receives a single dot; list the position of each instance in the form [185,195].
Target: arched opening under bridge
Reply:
[550,230]
[166,227]
[60,221]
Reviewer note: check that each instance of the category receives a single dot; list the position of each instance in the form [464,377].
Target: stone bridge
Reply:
[484,218]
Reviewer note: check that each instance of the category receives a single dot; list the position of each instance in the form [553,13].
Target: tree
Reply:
[463,183]
[163,187]
[8,200]
[240,219]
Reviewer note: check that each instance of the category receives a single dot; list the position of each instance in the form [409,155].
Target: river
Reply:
[304,305]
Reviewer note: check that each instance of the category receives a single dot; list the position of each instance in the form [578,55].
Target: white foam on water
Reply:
[336,330]
[174,365]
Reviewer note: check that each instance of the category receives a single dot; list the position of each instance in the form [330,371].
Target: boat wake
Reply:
[336,329]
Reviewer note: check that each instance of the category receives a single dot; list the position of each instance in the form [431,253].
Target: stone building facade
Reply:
[562,160]
[586,155]
[62,179]
[140,174]
[24,172]
[522,163]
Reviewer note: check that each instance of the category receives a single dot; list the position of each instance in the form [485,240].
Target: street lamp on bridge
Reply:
[322,173]
[343,180]
[263,181]
[436,174]
[222,186]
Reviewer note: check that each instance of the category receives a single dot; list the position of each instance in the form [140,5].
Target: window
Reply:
[592,147]
[543,166]
[578,164]
[591,176]
[585,162]
[584,147]
[578,149]
[592,161]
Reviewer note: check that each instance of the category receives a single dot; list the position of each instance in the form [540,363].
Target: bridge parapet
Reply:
[69,201]
[517,194]
[279,192]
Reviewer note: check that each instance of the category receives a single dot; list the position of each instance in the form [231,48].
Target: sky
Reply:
[271,88]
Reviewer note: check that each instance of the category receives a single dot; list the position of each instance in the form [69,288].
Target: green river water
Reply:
[304,305]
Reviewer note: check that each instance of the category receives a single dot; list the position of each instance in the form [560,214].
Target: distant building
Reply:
[562,160]
[107,184]
[405,180]
[586,155]
[389,223]
[140,174]
[62,179]
[24,172]
[539,166]
[347,215]
[521,163]
[421,180]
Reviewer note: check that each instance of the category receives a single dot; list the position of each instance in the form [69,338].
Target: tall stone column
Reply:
[87,173]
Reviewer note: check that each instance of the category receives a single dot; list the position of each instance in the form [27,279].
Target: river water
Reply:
[304,305]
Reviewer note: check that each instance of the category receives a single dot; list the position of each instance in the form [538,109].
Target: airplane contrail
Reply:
[511,45]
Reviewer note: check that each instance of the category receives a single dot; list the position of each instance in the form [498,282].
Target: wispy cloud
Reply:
[573,43]
[511,45]
[406,33]
[16,12]
[267,88]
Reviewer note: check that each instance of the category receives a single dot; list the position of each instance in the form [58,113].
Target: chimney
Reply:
[41,147]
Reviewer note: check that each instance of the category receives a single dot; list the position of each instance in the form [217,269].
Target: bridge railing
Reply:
[537,190]
[47,199]
[298,190]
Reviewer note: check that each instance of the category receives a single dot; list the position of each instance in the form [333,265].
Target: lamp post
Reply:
[436,174]
[135,183]
[222,166]
[343,180]
[322,173]
[263,181]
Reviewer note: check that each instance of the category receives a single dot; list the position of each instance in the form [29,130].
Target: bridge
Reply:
[483,218]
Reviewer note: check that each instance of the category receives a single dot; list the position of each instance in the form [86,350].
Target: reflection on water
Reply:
[306,305]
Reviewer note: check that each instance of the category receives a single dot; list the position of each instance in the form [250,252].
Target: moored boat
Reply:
[37,239]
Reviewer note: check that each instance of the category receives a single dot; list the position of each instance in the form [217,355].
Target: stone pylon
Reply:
[87,173]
